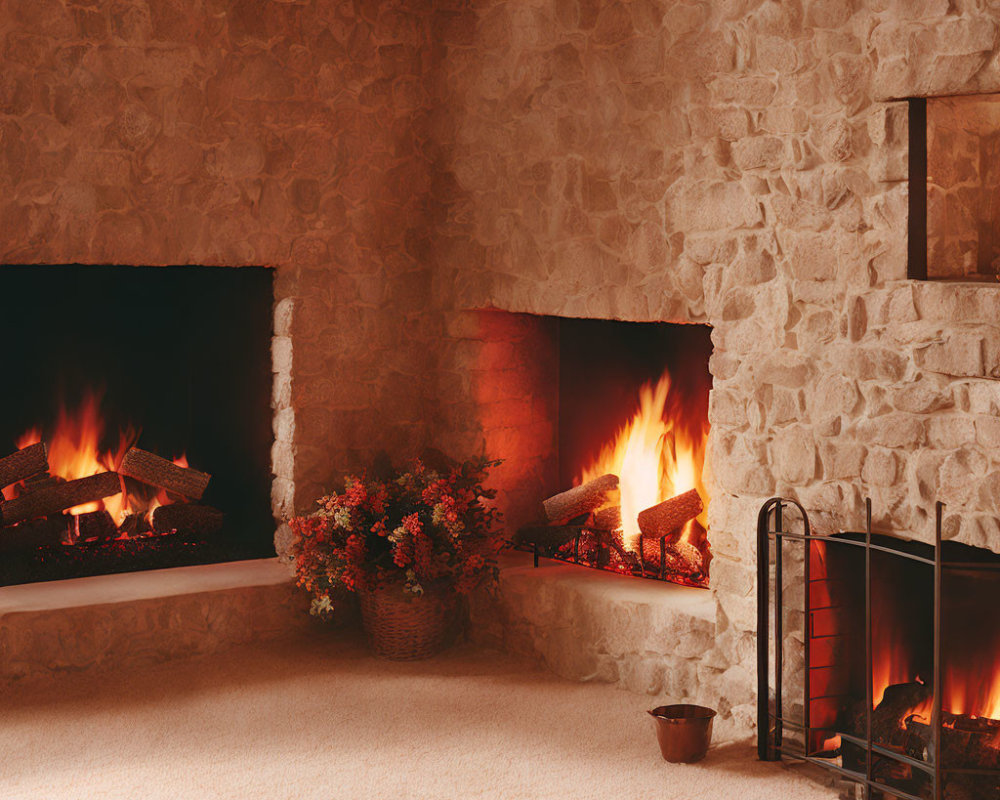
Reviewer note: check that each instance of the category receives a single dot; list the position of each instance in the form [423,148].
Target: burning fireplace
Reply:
[887,672]
[633,424]
[139,434]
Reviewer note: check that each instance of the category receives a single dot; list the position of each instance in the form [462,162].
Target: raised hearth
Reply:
[145,617]
[649,637]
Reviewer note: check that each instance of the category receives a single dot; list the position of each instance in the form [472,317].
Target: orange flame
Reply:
[965,694]
[656,455]
[74,451]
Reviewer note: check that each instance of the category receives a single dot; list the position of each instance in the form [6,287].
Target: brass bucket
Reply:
[683,731]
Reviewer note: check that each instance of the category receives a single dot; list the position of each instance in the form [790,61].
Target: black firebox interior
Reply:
[181,354]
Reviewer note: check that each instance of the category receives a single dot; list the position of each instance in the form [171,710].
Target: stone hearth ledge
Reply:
[646,636]
[145,617]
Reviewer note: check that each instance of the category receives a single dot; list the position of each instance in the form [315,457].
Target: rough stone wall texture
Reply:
[234,132]
[399,162]
[740,163]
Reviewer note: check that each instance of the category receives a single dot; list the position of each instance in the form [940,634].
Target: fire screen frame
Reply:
[771,743]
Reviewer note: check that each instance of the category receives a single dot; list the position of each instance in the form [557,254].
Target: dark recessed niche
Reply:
[181,354]
[954,188]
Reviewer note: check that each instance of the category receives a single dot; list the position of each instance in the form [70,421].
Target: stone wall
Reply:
[402,164]
[236,132]
[740,163]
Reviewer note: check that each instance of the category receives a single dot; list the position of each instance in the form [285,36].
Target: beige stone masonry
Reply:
[145,617]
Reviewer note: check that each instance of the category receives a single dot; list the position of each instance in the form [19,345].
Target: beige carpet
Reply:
[322,719]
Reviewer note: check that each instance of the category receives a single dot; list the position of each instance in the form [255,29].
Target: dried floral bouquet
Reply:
[419,529]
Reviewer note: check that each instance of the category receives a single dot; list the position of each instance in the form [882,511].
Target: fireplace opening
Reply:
[137,416]
[633,424]
[885,660]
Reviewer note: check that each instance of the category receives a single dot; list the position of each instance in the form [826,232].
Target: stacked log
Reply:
[187,518]
[54,499]
[580,499]
[153,470]
[669,517]
[35,516]
[23,464]
[608,519]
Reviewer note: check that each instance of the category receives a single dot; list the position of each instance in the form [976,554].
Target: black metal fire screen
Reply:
[831,611]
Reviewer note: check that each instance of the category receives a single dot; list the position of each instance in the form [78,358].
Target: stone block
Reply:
[881,467]
[812,256]
[832,396]
[281,355]
[894,430]
[960,474]
[589,625]
[129,620]
[793,456]
[842,460]
[711,206]
[787,368]
[727,408]
[758,152]
[988,432]
[870,363]
[951,431]
[958,354]
[922,396]
[983,396]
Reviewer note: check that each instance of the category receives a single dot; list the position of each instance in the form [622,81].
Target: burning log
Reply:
[580,499]
[187,518]
[155,471]
[608,519]
[23,464]
[35,533]
[135,525]
[53,499]
[891,726]
[95,525]
[690,557]
[663,518]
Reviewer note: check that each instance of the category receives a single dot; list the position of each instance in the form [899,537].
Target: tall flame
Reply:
[658,454]
[965,692]
[967,688]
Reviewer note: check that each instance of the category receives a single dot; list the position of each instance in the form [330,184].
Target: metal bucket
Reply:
[683,731]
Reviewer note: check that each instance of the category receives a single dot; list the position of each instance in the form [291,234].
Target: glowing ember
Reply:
[658,454]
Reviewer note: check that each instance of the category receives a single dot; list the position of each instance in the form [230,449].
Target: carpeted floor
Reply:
[321,719]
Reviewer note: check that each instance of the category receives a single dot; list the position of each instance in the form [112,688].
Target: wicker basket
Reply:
[403,626]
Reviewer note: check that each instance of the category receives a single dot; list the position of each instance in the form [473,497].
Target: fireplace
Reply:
[887,671]
[632,430]
[141,419]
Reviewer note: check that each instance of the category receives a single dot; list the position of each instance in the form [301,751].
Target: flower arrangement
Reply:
[419,528]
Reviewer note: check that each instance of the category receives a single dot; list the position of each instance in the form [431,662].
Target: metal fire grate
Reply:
[781,736]
[656,557]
